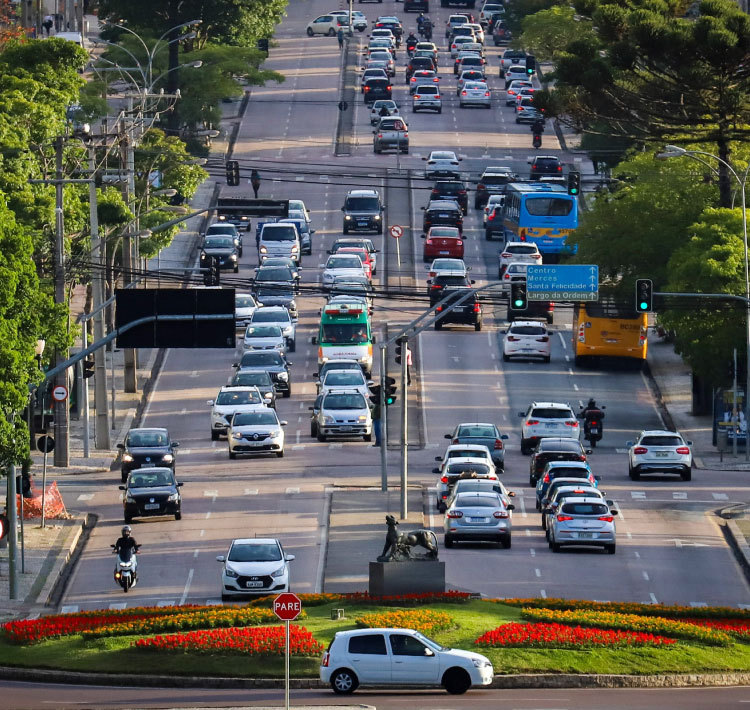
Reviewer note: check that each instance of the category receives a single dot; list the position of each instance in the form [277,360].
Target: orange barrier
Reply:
[53,503]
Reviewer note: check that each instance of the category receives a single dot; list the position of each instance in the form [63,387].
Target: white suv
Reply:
[398,657]
[543,419]
[527,339]
[229,401]
[517,252]
[660,452]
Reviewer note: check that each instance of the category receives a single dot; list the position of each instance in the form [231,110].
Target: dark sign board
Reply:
[132,304]
[252,207]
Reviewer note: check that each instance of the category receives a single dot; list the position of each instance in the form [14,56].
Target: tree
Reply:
[646,73]
[548,32]
[520,9]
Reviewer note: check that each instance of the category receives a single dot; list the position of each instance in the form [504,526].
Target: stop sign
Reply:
[287,606]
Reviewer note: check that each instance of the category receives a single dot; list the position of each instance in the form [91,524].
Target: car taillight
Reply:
[436,79]
[367,88]
[406,134]
[486,93]
[532,422]
[506,255]
[459,243]
[477,308]
[437,96]
[573,424]
[562,518]
[417,96]
[683,450]
[463,93]
[414,79]
[498,443]
[513,339]
[480,186]
[500,514]
[462,192]
[429,241]
[559,168]
[380,135]
[435,286]
[455,514]
[388,88]
[640,450]
[546,478]
[444,479]
[438,309]
[326,659]
[606,518]
[543,339]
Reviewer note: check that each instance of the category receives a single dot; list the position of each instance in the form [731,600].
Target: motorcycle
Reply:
[126,568]
[427,31]
[593,426]
[411,47]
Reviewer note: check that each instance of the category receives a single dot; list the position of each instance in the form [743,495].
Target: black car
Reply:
[224,248]
[150,492]
[444,213]
[468,312]
[543,165]
[416,63]
[147,448]
[363,211]
[376,88]
[256,378]
[437,284]
[273,363]
[535,310]
[554,449]
[451,190]
[277,294]
[314,411]
[492,182]
[392,24]
[416,6]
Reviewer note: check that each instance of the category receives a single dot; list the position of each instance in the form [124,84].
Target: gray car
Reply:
[427,97]
[263,337]
[260,379]
[223,248]
[344,413]
[276,315]
[481,433]
[583,521]
[225,228]
[479,485]
[478,517]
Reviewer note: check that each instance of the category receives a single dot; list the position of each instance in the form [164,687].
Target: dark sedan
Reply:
[447,213]
[451,190]
[437,285]
[146,448]
[223,248]
[273,363]
[479,433]
[256,378]
[554,449]
[151,492]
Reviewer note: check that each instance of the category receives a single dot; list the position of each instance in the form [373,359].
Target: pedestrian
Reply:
[255,181]
[408,365]
[47,24]
[340,35]
[376,423]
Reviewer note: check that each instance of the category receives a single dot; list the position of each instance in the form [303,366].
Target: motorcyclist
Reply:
[411,43]
[427,29]
[126,543]
[384,111]
[590,409]
[420,19]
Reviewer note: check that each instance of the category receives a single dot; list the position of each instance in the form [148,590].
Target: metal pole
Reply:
[286,665]
[44,485]
[112,377]
[130,383]
[23,549]
[747,325]
[85,393]
[383,420]
[734,406]
[101,426]
[404,431]
[12,533]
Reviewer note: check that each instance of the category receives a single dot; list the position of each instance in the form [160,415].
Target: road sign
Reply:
[562,282]
[45,444]
[287,606]
[60,393]
[396,231]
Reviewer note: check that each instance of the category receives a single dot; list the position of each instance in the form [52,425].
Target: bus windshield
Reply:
[344,333]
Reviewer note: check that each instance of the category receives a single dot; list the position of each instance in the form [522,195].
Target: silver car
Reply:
[256,433]
[228,402]
[377,106]
[280,316]
[478,517]
[264,337]
[475,93]
[480,485]
[660,452]
[349,379]
[457,470]
[584,521]
[557,495]
[427,96]
[344,413]
[244,307]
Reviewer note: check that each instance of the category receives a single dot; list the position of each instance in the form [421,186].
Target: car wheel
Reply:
[438,325]
[442,507]
[537,505]
[128,518]
[532,482]
[546,359]
[321,437]
[345,230]
[687,475]
[232,455]
[477,205]
[555,546]
[331,32]
[293,345]
[506,542]
[460,105]
[313,431]
[214,435]
[448,541]
[310,32]
[506,357]
[367,437]
[550,319]
[635,474]
[123,477]
[611,549]
[440,110]
[226,597]
[525,450]
[456,681]
[280,454]
[236,269]
[344,682]
[544,524]
[178,516]
[478,325]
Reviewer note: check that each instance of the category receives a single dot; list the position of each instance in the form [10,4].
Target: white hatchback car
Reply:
[258,432]
[341,265]
[254,566]
[231,400]
[543,419]
[447,267]
[527,339]
[462,451]
[518,252]
[660,452]
[442,163]
[383,657]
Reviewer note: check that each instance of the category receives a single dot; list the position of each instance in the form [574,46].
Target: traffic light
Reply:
[374,394]
[211,272]
[644,295]
[390,391]
[399,347]
[233,173]
[88,368]
[518,298]
[574,182]
[530,64]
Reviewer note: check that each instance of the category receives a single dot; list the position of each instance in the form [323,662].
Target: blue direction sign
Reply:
[562,282]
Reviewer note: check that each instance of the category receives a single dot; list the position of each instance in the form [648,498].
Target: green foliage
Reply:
[549,31]
[520,9]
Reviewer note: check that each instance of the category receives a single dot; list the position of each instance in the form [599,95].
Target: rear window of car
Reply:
[661,441]
[528,330]
[370,644]
[546,163]
[378,83]
[551,413]
[471,501]
[521,250]
[427,89]
[450,281]
[584,508]
[474,430]
[553,445]
[267,359]
[495,179]
[456,469]
[562,472]
[513,54]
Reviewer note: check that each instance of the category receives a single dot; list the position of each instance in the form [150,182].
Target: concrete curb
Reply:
[738,543]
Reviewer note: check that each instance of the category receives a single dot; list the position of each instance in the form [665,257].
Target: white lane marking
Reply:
[297,436]
[621,451]
[69,609]
[194,373]
[538,572]
[302,404]
[85,496]
[570,370]
[299,419]
[497,369]
[117,605]
[211,494]
[653,598]
[575,387]
[298,446]
[720,496]
[195,554]
[528,532]
[154,389]
[696,605]
[335,446]
[677,495]
[562,340]
[524,514]
[291,491]
[187,586]
[629,535]
[208,515]
[567,358]
[165,602]
[532,552]
[251,491]
[645,575]
[639,495]
[637,554]
[543,593]
[183,410]
[489,337]
[677,543]
[202,533]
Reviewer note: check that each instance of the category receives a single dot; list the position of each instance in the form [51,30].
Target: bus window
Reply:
[549,206]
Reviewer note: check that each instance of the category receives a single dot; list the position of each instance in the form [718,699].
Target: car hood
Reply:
[468,655]
[151,491]
[233,408]
[218,251]
[344,413]
[257,569]
[154,451]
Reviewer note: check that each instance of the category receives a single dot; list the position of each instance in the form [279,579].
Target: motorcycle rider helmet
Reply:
[126,530]
[592,403]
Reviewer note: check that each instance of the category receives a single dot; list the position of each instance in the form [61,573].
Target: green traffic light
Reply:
[518,303]
[643,306]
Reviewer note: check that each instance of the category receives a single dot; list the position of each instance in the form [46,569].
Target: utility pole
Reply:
[404,430]
[12,532]
[61,409]
[128,159]
[101,430]
[383,419]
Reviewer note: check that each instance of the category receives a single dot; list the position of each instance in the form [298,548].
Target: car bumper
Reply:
[514,351]
[255,447]
[466,101]
[233,586]
[481,533]
[570,537]
[433,105]
[362,225]
[662,467]
[345,430]
[534,437]
[433,252]
[138,510]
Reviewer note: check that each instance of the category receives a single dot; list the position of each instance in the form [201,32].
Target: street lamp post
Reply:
[673,151]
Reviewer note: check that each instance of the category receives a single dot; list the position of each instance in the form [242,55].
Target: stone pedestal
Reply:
[408,577]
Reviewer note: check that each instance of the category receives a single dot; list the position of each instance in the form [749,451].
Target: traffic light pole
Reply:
[404,430]
[383,420]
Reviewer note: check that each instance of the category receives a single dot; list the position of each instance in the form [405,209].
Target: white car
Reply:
[515,73]
[359,21]
[427,97]
[299,205]
[475,467]
[327,24]
[458,43]
[660,452]
[396,657]
[442,163]
[264,337]
[462,451]
[230,400]
[543,419]
[377,106]
[475,93]
[277,315]
[527,339]
[517,252]
[341,265]
[478,31]
[349,379]
[255,565]
[344,412]
[244,307]
[258,432]
[515,271]
[448,267]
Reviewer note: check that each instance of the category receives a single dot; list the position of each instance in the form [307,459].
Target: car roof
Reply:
[474,424]
[238,388]
[526,322]
[558,405]
[254,540]
[659,432]
[465,447]
[463,460]
[516,244]
[568,464]
[363,193]
[592,499]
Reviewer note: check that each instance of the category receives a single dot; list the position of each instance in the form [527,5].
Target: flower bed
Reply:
[630,622]
[449,597]
[253,641]
[215,617]
[421,620]
[662,610]
[306,599]
[735,627]
[562,636]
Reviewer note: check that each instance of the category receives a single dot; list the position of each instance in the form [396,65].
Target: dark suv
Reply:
[492,182]
[443,212]
[416,63]
[545,165]
[375,89]
[146,448]
[451,190]
[469,312]
[363,211]
[437,285]
[552,449]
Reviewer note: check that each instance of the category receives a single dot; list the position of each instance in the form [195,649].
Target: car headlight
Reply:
[167,458]
[233,257]
[328,419]
[347,217]
[127,457]
[268,396]
[481,663]
[129,498]
[295,247]
[283,376]
[173,498]
[237,435]
[362,418]
[279,572]
[263,250]
[276,434]
[376,217]
[231,573]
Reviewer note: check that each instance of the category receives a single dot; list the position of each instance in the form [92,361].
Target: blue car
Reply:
[563,469]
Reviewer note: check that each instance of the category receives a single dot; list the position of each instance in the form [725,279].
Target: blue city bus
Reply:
[543,213]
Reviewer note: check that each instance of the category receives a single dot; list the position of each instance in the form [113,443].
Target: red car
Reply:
[443,241]
[363,254]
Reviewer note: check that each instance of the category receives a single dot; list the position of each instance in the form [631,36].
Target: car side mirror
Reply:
[122,488]
[521,414]
[121,447]
[175,444]
[424,159]
[597,478]
[613,512]
[424,236]
[436,470]
[504,437]
[283,422]
[314,340]
[289,558]
[316,375]
[609,502]
[629,443]
[220,558]
[438,458]
[589,451]
[447,436]
[689,443]
[510,506]
[472,281]
[511,494]
[235,364]
[330,251]
[210,402]
[180,484]
[312,231]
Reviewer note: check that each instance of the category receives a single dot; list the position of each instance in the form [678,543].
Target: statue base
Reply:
[407,577]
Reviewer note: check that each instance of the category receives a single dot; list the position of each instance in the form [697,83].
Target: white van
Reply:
[76,37]
[279,239]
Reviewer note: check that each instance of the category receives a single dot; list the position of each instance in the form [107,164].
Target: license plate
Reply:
[151,506]
[550,426]
[253,585]
[585,535]
[443,214]
[256,443]
[346,428]
[661,454]
[479,520]
[594,430]
[148,465]
[443,253]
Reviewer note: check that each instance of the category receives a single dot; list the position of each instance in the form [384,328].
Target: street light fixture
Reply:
[674,151]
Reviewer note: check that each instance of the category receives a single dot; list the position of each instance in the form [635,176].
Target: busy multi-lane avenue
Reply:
[669,550]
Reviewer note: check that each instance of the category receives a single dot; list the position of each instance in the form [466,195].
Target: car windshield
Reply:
[279,233]
[661,441]
[528,330]
[344,262]
[151,480]
[257,379]
[263,331]
[474,501]
[238,397]
[147,438]
[344,401]
[218,243]
[477,430]
[222,229]
[244,302]
[551,413]
[349,377]
[267,359]
[266,418]
[584,509]
[456,469]
[272,315]
[274,273]
[254,552]
[344,333]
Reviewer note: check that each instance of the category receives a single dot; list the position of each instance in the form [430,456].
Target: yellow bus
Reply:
[606,329]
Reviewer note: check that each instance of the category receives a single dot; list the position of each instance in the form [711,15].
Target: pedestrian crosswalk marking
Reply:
[679,495]
[639,495]
[720,496]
